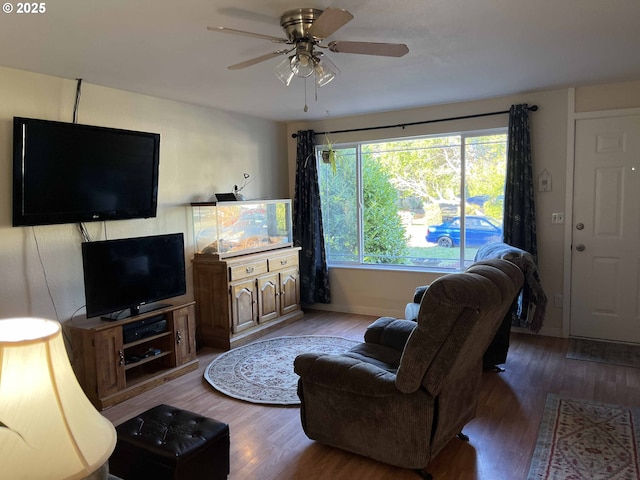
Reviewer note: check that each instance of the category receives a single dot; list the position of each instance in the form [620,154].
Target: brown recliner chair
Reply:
[400,396]
[527,310]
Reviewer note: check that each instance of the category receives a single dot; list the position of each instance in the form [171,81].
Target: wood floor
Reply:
[268,442]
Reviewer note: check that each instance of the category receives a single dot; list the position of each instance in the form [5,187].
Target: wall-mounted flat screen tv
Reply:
[72,173]
[125,277]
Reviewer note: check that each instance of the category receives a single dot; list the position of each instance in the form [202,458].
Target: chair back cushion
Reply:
[459,315]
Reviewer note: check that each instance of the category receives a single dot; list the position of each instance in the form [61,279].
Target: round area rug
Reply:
[262,372]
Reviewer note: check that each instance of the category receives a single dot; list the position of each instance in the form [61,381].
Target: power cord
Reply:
[83,232]
[44,273]
[77,102]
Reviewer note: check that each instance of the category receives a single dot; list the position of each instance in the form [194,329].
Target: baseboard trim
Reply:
[380,312]
[358,310]
[544,331]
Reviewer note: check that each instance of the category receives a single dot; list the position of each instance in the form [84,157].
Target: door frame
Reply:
[572,118]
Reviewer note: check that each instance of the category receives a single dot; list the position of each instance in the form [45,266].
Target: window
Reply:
[400,202]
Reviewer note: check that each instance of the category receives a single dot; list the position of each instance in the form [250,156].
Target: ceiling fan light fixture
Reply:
[325,71]
[284,72]
[302,63]
[305,29]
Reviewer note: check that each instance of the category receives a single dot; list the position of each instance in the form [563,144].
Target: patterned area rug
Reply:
[586,440]
[262,372]
[604,352]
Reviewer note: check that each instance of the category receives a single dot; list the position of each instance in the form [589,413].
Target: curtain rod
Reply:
[533,108]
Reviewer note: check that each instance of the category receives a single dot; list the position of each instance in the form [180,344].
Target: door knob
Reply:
[580,226]
[580,247]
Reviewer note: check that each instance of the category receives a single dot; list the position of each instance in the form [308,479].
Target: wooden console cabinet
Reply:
[239,299]
[111,371]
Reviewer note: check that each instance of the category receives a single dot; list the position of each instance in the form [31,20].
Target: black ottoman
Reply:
[168,443]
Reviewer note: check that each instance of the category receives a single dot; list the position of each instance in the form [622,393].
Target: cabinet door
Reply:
[109,361]
[268,293]
[289,290]
[243,305]
[184,326]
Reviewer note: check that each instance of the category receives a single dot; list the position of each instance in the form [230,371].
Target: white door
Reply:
[605,287]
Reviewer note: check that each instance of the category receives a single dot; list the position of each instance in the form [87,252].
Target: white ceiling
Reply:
[459,50]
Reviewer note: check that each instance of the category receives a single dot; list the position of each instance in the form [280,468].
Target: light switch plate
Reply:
[544,182]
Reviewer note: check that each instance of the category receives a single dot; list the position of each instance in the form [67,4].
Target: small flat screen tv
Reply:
[72,173]
[125,277]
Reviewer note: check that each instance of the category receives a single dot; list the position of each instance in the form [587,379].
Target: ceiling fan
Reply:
[306,29]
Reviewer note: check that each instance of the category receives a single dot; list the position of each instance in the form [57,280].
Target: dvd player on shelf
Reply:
[144,328]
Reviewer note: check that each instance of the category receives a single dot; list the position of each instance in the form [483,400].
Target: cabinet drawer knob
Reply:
[283,262]
[250,269]
[121,357]
[178,337]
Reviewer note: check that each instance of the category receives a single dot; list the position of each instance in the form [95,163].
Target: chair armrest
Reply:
[411,311]
[390,332]
[419,293]
[338,372]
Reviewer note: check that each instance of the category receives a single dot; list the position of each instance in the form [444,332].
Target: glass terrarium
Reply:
[228,229]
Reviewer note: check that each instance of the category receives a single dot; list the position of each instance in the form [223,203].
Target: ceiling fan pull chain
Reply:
[315,84]
[306,107]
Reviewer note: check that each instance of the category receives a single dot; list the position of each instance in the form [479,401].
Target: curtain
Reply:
[519,207]
[307,224]
[520,214]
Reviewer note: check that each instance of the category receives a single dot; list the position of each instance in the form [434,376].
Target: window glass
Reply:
[400,202]
[338,183]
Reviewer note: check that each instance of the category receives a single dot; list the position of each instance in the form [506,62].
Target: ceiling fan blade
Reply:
[253,61]
[370,48]
[247,34]
[329,21]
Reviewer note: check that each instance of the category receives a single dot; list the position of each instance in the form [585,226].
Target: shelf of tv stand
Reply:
[142,341]
[144,361]
[99,354]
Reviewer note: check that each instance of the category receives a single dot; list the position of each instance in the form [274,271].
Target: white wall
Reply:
[383,292]
[202,151]
[611,96]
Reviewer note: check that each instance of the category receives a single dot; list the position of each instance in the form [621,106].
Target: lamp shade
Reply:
[48,427]
[325,71]
[284,72]
[302,65]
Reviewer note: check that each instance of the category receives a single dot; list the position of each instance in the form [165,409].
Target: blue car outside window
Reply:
[479,230]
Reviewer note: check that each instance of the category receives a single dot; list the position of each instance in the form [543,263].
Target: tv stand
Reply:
[111,369]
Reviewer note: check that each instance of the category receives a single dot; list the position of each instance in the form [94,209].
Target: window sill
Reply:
[391,268]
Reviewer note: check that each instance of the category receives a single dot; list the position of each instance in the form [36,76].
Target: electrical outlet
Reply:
[557,218]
